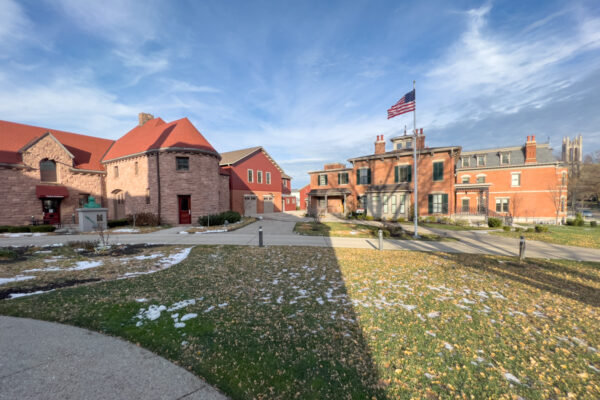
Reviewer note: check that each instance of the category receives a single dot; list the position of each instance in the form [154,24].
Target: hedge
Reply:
[219,219]
[117,222]
[26,228]
[494,222]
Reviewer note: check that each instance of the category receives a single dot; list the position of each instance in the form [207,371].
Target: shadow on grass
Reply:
[547,275]
[271,323]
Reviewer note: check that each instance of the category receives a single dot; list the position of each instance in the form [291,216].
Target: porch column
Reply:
[326,205]
[344,205]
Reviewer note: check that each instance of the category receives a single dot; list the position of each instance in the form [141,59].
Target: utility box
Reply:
[92,216]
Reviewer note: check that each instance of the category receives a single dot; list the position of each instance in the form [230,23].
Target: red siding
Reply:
[304,196]
[256,162]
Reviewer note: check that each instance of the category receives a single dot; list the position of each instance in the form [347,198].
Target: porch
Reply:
[327,201]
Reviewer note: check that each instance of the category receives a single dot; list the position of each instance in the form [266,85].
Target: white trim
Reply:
[252,175]
[528,191]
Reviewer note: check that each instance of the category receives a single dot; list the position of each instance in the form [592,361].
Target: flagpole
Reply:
[416,175]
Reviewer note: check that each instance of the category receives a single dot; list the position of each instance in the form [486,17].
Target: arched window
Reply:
[47,170]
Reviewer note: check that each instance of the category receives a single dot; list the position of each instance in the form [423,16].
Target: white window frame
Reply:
[393,205]
[268,176]
[505,154]
[385,203]
[250,176]
[363,176]
[462,204]
[462,179]
[468,161]
[324,180]
[512,179]
[401,202]
[503,201]
[259,175]
[437,206]
[482,157]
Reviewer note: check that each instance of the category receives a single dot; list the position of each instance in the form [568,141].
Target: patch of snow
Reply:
[511,378]
[44,269]
[320,301]
[539,314]
[467,301]
[189,316]
[590,366]
[17,295]
[126,230]
[408,307]
[152,313]
[433,314]
[579,341]
[81,265]
[183,232]
[15,279]
[448,346]
[209,309]
[222,305]
[213,231]
[142,300]
[179,324]
[149,257]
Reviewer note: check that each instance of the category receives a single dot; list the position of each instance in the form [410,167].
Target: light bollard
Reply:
[380,240]
[522,248]
[260,237]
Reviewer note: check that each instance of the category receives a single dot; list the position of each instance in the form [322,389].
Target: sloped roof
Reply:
[157,134]
[87,150]
[232,157]
[516,156]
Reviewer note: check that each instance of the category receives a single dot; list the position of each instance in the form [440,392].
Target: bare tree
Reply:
[557,192]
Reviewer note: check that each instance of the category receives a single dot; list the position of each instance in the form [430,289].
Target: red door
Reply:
[51,209]
[185,209]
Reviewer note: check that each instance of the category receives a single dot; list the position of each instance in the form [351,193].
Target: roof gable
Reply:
[157,134]
[87,151]
[233,157]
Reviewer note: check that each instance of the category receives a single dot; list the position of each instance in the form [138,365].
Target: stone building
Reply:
[168,169]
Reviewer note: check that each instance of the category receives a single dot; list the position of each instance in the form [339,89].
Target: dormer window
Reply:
[465,161]
[504,158]
[481,161]
[47,170]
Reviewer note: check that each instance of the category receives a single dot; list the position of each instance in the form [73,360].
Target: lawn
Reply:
[245,221]
[451,227]
[358,230]
[320,323]
[582,236]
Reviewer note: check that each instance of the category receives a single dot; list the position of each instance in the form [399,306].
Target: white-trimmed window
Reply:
[480,178]
[401,202]
[465,204]
[465,161]
[250,176]
[465,179]
[268,176]
[399,146]
[385,203]
[481,161]
[502,205]
[515,179]
[504,158]
[393,206]
[258,176]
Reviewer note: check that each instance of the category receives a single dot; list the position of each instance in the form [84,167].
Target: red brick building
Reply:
[258,184]
[168,169]
[382,184]
[522,182]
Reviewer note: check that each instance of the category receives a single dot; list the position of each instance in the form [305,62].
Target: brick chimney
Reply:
[379,145]
[144,117]
[530,150]
[420,139]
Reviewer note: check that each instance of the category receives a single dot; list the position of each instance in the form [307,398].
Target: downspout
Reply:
[158,184]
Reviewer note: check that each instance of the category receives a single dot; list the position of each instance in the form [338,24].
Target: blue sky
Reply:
[309,81]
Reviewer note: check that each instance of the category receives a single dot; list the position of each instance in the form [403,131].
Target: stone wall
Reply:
[224,194]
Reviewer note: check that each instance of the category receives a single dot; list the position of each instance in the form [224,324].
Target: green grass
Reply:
[451,227]
[582,236]
[358,230]
[315,323]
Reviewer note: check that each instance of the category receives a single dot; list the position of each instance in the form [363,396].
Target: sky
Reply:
[310,81]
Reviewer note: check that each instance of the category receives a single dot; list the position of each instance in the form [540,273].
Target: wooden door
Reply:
[185,209]
[268,204]
[249,204]
[51,209]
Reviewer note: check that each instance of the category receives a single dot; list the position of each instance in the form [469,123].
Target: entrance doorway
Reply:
[51,210]
[185,209]
[119,203]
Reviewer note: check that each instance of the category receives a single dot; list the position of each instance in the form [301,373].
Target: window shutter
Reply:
[369,176]
[358,176]
[325,179]
[339,178]
[396,173]
[409,178]
[430,204]
[445,203]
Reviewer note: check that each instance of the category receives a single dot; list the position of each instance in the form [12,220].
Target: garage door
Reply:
[268,202]
[249,205]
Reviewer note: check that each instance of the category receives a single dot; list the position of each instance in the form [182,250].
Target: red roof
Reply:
[88,150]
[157,134]
[51,191]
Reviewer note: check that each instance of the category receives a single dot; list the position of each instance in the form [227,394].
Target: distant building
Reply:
[572,150]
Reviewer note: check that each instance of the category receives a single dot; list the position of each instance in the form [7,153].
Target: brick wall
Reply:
[18,197]
[224,193]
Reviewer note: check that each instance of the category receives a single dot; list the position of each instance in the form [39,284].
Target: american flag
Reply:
[404,105]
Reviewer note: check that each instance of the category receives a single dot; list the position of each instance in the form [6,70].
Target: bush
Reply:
[219,219]
[518,229]
[117,222]
[593,224]
[506,228]
[494,222]
[530,230]
[4,228]
[461,222]
[42,228]
[401,219]
[570,222]
[578,220]
[369,218]
[143,219]
[19,229]
[541,228]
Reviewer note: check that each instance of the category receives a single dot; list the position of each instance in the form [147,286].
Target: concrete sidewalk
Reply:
[44,360]
[279,232]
